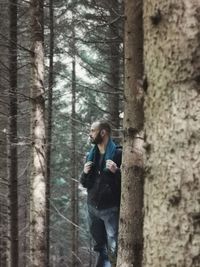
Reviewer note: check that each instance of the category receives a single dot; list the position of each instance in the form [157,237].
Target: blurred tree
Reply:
[49,124]
[12,136]
[23,125]
[172,126]
[4,106]
[74,175]
[38,137]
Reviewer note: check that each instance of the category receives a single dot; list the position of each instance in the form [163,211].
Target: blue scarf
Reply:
[109,153]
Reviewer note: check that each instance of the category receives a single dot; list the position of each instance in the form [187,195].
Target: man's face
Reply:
[95,134]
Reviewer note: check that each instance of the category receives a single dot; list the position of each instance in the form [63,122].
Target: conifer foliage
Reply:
[60,66]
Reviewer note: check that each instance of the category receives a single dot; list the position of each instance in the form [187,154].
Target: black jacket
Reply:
[103,187]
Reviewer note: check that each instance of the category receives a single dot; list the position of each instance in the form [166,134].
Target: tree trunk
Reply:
[4,113]
[12,136]
[23,125]
[38,164]
[74,183]
[114,72]
[131,217]
[49,126]
[172,115]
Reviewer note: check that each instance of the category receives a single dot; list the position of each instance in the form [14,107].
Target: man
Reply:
[102,178]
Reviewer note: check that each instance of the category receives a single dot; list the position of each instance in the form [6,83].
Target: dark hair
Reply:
[104,125]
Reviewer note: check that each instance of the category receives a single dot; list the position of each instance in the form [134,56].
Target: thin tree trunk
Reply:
[131,218]
[4,249]
[49,126]
[172,126]
[74,199]
[38,135]
[114,73]
[4,114]
[12,136]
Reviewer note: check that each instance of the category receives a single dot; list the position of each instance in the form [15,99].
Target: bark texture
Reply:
[4,104]
[131,218]
[12,136]
[114,70]
[38,165]
[49,125]
[172,115]
[74,183]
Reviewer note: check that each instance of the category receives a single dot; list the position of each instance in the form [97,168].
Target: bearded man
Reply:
[102,178]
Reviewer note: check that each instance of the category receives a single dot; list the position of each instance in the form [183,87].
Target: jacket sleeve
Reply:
[83,179]
[86,180]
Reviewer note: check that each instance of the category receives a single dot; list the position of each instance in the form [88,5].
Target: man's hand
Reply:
[111,166]
[87,167]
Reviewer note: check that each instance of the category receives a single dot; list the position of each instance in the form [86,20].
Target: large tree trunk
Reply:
[12,136]
[49,126]
[172,115]
[131,218]
[38,164]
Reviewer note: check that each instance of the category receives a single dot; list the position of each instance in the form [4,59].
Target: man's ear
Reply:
[102,132]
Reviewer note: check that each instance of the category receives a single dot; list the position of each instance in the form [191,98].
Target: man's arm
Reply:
[85,178]
[115,164]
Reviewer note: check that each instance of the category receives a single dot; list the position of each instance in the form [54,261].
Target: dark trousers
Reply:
[104,230]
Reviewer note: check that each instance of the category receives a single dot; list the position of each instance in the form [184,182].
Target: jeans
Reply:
[104,230]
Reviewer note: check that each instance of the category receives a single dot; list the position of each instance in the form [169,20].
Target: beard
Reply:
[97,140]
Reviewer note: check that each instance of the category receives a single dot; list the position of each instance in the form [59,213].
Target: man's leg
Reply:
[103,260]
[111,221]
[98,232]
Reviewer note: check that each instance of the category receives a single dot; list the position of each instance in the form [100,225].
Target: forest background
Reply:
[64,64]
